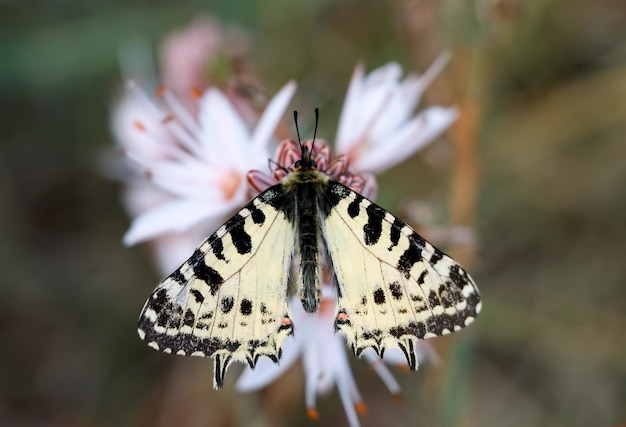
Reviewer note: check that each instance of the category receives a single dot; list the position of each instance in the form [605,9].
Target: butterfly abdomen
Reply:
[305,186]
[308,232]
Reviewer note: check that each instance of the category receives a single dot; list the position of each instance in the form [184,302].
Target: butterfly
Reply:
[230,299]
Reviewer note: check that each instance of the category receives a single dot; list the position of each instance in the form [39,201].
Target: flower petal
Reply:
[412,137]
[224,133]
[349,111]
[271,116]
[267,371]
[174,216]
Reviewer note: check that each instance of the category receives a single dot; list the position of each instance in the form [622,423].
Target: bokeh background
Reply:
[536,166]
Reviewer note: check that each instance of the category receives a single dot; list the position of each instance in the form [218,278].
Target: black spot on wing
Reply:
[422,278]
[218,248]
[394,235]
[204,272]
[178,277]
[410,256]
[433,299]
[416,298]
[197,295]
[436,256]
[374,227]
[396,290]
[416,239]
[170,316]
[458,276]
[355,207]
[189,318]
[379,296]
[448,297]
[240,237]
[159,300]
[258,217]
[227,304]
[245,307]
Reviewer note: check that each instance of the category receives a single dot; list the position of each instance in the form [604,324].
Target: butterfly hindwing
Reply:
[393,286]
[229,299]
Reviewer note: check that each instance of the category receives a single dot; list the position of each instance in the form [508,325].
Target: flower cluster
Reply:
[191,165]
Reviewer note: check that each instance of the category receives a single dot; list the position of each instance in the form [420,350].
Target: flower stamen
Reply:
[230,185]
[398,398]
[312,414]
[360,407]
[139,126]
[196,92]
[168,118]
[159,91]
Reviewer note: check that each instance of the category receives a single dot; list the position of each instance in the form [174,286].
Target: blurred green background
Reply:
[542,85]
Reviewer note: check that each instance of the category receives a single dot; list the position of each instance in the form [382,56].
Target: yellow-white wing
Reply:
[393,286]
[229,300]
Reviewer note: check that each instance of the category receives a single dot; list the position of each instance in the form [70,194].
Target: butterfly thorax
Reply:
[304,189]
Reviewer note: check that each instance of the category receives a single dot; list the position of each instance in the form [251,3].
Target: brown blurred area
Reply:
[536,166]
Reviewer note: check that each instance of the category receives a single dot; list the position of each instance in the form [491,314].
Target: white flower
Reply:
[377,129]
[194,168]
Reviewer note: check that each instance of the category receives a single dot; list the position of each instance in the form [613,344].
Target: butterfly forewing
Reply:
[229,300]
[394,287]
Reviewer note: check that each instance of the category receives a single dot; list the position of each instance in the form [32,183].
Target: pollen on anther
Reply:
[376,362]
[196,92]
[160,91]
[167,119]
[360,407]
[312,414]
[404,367]
[139,126]
[147,173]
[399,398]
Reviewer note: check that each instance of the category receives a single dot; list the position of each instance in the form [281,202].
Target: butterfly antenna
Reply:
[317,118]
[295,119]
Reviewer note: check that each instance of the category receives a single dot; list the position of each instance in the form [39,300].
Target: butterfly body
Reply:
[230,300]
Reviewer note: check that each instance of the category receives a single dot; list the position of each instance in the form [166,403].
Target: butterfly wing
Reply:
[229,300]
[393,286]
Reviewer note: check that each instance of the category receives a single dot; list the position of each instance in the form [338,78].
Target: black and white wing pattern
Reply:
[393,286]
[229,300]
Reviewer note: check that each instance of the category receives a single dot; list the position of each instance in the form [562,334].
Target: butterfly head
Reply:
[305,162]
